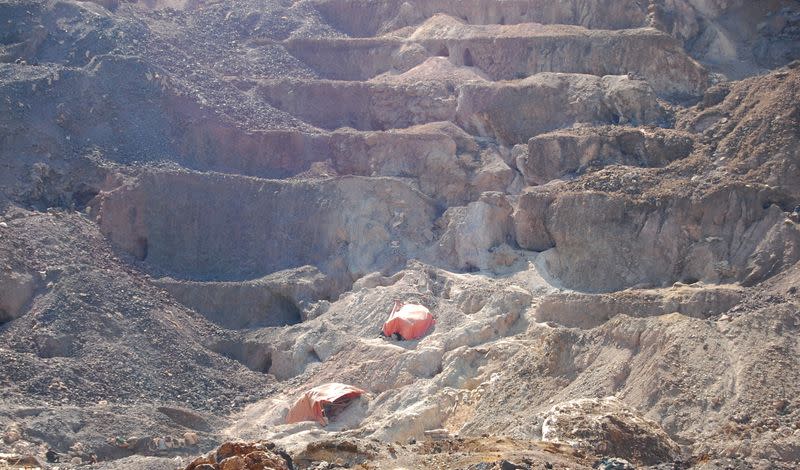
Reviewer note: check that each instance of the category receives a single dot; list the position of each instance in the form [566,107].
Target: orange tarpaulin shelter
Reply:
[312,404]
[411,321]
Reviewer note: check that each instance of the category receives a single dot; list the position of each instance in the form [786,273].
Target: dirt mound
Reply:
[233,455]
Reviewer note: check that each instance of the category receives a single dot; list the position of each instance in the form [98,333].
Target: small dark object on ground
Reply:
[51,456]
[612,463]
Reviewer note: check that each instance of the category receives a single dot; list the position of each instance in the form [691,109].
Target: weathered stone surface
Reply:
[368,18]
[608,427]
[531,229]
[556,154]
[361,105]
[440,156]
[607,242]
[516,111]
[289,224]
[592,310]
[511,52]
[472,232]
[453,157]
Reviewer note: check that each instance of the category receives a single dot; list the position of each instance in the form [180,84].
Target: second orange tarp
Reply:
[311,405]
[411,321]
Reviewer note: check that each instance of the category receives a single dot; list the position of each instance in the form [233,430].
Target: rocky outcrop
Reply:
[371,18]
[603,242]
[281,298]
[565,152]
[509,52]
[288,224]
[608,427]
[579,310]
[446,163]
[513,112]
[475,235]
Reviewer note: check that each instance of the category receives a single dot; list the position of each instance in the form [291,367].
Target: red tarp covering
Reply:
[311,405]
[411,321]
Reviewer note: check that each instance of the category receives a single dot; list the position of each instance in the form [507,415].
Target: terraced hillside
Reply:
[207,208]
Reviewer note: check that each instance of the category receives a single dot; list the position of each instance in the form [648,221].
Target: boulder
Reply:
[606,426]
[472,231]
[16,290]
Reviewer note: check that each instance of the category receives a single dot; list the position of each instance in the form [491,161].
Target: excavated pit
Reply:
[279,299]
[513,52]
[365,18]
[255,356]
[511,112]
[557,154]
[217,205]
[187,221]
[732,234]
[361,105]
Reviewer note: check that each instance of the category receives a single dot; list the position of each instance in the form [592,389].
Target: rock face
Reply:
[717,237]
[364,18]
[474,232]
[209,207]
[608,427]
[512,112]
[300,223]
[557,154]
[508,52]
[281,298]
[591,310]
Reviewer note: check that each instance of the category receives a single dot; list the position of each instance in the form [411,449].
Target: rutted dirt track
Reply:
[208,208]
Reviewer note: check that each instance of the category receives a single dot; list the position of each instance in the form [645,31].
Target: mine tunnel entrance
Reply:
[284,311]
[468,58]
[255,356]
[140,249]
[83,197]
